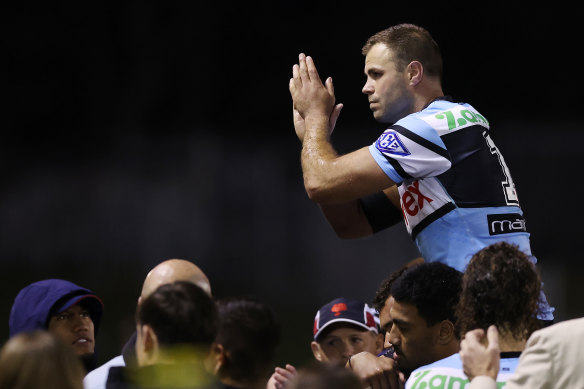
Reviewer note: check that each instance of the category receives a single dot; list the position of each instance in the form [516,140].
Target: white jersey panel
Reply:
[447,373]
[421,198]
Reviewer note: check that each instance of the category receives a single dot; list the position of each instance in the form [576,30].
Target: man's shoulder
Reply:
[445,117]
[97,378]
[572,329]
[448,370]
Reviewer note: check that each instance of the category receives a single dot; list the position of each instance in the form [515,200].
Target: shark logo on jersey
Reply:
[389,142]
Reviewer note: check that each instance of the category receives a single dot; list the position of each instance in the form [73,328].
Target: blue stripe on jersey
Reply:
[385,165]
[420,127]
[411,135]
[455,237]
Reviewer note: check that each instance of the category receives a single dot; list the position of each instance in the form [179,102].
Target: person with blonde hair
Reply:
[37,359]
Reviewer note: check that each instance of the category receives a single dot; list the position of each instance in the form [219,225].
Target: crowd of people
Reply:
[470,312]
[428,325]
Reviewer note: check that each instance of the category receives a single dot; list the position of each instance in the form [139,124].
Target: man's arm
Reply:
[365,216]
[328,177]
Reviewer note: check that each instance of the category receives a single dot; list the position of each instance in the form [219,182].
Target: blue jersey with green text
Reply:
[447,373]
[456,192]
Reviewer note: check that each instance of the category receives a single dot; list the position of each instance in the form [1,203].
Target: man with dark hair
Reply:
[418,321]
[165,272]
[499,287]
[245,346]
[435,166]
[175,326]
[70,312]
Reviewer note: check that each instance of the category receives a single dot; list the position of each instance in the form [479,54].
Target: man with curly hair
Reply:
[500,287]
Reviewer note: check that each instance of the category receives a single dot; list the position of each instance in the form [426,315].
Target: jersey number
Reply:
[508,185]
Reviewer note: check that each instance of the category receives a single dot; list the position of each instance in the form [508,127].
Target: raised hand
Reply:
[477,359]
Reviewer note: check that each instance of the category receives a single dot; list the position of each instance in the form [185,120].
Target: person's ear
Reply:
[379,342]
[149,343]
[150,338]
[415,72]
[446,332]
[217,358]
[319,355]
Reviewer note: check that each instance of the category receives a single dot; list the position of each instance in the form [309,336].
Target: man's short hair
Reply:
[409,43]
[250,333]
[432,287]
[384,289]
[500,286]
[180,313]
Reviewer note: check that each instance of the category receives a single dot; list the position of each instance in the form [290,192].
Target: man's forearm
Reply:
[317,159]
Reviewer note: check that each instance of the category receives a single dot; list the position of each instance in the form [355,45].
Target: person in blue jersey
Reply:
[500,287]
[435,166]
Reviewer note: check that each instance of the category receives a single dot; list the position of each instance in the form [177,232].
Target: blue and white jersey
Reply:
[457,195]
[448,373]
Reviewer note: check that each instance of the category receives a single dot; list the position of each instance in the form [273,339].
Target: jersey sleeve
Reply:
[410,149]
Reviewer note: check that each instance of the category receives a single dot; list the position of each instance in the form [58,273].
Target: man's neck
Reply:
[425,92]
[508,343]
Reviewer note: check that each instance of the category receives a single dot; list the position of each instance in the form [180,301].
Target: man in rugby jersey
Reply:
[435,166]
[500,287]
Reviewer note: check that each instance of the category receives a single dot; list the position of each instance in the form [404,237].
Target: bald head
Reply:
[173,270]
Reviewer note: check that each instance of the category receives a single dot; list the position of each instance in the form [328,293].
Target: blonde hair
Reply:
[32,360]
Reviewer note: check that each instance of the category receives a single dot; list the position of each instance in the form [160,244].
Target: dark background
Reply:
[133,133]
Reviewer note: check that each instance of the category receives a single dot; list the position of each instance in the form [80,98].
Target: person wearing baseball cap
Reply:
[342,327]
[72,313]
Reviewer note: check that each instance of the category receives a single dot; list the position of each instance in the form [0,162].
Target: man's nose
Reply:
[81,323]
[348,350]
[392,338]
[386,342]
[367,88]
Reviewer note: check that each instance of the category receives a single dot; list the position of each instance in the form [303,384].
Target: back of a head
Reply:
[180,313]
[432,287]
[324,375]
[409,43]
[173,270]
[32,360]
[500,286]
[250,334]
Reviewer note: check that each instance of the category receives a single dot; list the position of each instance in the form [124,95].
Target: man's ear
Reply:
[379,342]
[415,72]
[217,358]
[446,332]
[149,344]
[319,355]
[150,339]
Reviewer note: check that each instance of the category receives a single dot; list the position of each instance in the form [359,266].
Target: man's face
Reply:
[339,344]
[75,327]
[386,87]
[413,340]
